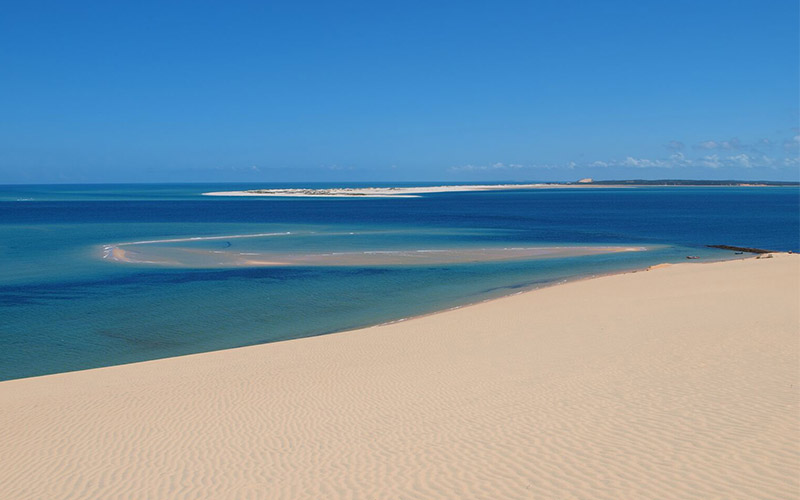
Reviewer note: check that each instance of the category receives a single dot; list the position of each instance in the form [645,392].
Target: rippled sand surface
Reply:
[679,382]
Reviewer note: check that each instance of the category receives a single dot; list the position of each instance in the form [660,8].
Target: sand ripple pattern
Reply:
[677,383]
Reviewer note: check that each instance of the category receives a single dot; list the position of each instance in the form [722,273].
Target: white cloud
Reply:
[675,145]
[714,158]
[791,162]
[467,168]
[470,168]
[707,145]
[643,162]
[710,161]
[741,160]
[730,144]
[679,160]
[734,143]
[484,168]
[503,166]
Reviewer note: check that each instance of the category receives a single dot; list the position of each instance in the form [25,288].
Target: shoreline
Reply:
[488,300]
[533,287]
[543,286]
[674,380]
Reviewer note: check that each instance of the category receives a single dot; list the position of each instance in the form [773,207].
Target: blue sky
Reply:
[398,91]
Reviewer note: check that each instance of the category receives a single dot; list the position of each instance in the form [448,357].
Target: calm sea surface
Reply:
[64,307]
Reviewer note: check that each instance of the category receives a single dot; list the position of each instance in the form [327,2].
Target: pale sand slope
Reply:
[681,382]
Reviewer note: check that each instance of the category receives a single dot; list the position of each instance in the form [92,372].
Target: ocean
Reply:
[65,305]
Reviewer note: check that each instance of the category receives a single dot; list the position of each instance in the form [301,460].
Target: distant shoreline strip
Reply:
[373,192]
[416,191]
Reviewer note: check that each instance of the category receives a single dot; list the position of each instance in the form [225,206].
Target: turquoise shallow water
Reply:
[63,307]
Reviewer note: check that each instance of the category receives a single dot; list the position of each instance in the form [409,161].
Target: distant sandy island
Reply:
[415,192]
[679,382]
[383,192]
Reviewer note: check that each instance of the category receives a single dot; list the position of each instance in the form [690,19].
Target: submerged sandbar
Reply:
[154,252]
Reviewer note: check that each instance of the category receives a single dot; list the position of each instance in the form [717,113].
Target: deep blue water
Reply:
[62,307]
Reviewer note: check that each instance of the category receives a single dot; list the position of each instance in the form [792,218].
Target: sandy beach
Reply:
[679,382]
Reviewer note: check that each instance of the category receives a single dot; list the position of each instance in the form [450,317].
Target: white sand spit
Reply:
[678,383]
[382,192]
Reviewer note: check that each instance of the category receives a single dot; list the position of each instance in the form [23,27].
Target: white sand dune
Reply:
[680,382]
